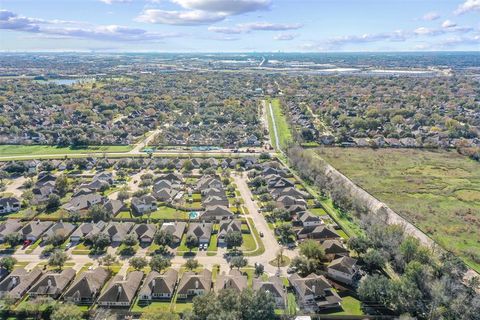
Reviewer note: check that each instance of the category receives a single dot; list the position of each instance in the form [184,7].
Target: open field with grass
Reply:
[283,131]
[21,150]
[438,191]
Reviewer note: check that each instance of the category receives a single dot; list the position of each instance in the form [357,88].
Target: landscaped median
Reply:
[260,248]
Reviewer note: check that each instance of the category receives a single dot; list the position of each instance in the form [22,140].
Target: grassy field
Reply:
[283,131]
[20,150]
[438,191]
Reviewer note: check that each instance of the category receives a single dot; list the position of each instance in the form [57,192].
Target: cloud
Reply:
[430,16]
[227,7]
[267,26]
[473,40]
[447,27]
[226,30]
[467,6]
[59,28]
[396,36]
[285,36]
[255,26]
[181,18]
[114,1]
[448,24]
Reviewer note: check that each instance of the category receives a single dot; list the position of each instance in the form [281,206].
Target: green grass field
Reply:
[438,191]
[21,150]
[283,131]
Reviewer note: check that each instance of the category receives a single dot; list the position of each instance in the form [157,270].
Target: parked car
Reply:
[26,243]
[261,234]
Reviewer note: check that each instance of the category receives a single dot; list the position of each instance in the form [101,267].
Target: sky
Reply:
[239,25]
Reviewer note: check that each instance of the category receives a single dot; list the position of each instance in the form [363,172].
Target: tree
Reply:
[100,241]
[259,269]
[375,289]
[61,185]
[55,239]
[130,240]
[13,239]
[99,212]
[191,264]
[258,305]
[138,263]
[7,263]
[191,242]
[108,260]
[123,195]
[359,244]
[53,202]
[234,239]
[57,259]
[286,233]
[238,262]
[67,311]
[163,238]
[159,263]
[374,259]
[312,250]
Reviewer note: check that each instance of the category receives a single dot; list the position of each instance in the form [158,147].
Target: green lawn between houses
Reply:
[438,191]
[20,150]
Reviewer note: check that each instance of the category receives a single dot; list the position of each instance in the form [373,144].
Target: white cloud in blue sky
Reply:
[239,25]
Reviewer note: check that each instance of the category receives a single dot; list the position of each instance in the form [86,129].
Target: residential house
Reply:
[176,229]
[83,202]
[214,192]
[8,227]
[165,194]
[121,291]
[211,201]
[320,233]
[314,292]
[87,287]
[117,231]
[235,280]
[144,204]
[274,286]
[216,213]
[227,226]
[277,182]
[288,201]
[60,229]
[193,284]
[289,191]
[344,269]
[145,232]
[201,230]
[104,176]
[52,284]
[34,229]
[18,282]
[87,230]
[307,219]
[206,182]
[158,286]
[114,206]
[9,205]
[334,247]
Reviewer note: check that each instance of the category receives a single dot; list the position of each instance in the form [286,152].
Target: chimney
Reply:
[49,282]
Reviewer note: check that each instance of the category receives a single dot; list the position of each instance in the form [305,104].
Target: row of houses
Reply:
[313,292]
[116,231]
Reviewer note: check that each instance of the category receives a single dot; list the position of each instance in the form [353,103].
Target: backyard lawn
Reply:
[438,191]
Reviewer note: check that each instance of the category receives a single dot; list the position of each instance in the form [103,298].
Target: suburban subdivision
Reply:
[200,187]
